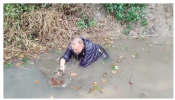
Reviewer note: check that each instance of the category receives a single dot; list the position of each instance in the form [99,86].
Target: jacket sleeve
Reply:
[67,55]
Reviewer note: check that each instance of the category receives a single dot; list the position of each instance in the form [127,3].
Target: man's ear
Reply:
[83,46]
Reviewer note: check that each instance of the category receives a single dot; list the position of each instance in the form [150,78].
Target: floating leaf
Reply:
[167,43]
[155,43]
[116,87]
[150,53]
[133,56]
[102,80]
[143,95]
[116,67]
[19,63]
[77,88]
[89,92]
[73,74]
[95,84]
[92,89]
[113,46]
[8,65]
[137,54]
[72,86]
[105,74]
[32,62]
[51,97]
[98,88]
[164,49]
[121,57]
[114,71]
[131,83]
[36,82]
[113,68]
[26,64]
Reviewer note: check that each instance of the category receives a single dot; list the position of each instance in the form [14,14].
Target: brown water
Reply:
[152,74]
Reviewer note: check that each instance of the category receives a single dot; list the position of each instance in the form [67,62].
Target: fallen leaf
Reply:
[77,88]
[165,50]
[72,86]
[150,53]
[95,84]
[36,82]
[116,87]
[92,89]
[114,71]
[36,56]
[8,65]
[105,74]
[25,63]
[120,57]
[136,54]
[131,83]
[116,67]
[19,63]
[73,74]
[167,42]
[150,45]
[102,80]
[98,88]
[155,43]
[32,62]
[143,95]
[133,56]
[51,97]
[113,68]
[36,39]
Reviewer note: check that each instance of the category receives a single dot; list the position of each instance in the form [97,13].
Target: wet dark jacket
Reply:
[89,54]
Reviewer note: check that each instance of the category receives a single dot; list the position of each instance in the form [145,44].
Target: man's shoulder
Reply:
[69,47]
[89,45]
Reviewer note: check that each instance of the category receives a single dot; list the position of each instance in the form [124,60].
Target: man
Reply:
[84,50]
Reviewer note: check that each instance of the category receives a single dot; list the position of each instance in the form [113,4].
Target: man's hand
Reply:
[62,64]
[63,67]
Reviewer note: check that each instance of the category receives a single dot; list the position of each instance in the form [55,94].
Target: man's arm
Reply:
[65,58]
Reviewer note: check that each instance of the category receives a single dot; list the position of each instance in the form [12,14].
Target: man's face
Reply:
[77,48]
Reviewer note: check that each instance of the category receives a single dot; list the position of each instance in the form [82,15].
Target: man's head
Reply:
[77,44]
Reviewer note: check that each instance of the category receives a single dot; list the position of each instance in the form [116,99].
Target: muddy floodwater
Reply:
[151,70]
